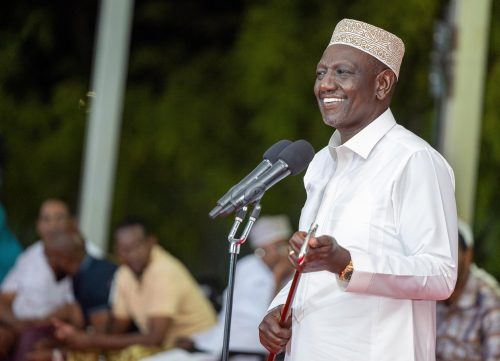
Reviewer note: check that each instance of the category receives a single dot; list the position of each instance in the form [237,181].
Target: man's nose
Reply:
[327,83]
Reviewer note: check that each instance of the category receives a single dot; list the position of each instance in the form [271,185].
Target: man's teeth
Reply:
[331,100]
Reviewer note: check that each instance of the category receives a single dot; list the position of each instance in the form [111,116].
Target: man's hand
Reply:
[72,337]
[324,253]
[274,336]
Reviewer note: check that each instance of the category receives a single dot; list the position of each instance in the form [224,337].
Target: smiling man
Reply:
[383,199]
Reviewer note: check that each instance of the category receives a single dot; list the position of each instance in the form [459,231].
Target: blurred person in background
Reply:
[10,248]
[92,280]
[9,245]
[468,323]
[155,291]
[31,292]
[258,278]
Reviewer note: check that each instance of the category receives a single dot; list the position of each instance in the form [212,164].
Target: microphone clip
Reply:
[234,241]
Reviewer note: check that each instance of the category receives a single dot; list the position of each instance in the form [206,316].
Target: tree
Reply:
[211,85]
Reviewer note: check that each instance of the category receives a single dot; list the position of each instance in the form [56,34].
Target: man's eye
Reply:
[320,74]
[342,71]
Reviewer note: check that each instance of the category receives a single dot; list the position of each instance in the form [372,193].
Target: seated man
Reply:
[32,292]
[154,290]
[468,323]
[259,276]
[91,279]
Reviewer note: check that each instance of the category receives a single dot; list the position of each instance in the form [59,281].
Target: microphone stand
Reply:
[234,249]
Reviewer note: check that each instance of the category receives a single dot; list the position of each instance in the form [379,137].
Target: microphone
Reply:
[270,156]
[292,160]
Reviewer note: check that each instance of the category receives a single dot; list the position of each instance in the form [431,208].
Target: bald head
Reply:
[68,243]
[65,251]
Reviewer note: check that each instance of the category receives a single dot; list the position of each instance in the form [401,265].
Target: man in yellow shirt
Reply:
[153,290]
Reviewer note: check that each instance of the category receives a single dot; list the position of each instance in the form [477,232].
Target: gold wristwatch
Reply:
[346,274]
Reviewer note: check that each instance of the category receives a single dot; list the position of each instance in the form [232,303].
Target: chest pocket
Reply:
[350,217]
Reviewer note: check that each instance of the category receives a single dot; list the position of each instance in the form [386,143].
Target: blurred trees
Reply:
[211,86]
[487,217]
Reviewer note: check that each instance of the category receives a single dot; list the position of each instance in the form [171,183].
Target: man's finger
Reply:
[296,241]
[321,241]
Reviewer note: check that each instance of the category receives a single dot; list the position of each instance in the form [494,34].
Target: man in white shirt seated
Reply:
[32,292]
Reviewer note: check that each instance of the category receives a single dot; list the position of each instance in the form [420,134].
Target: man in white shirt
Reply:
[31,292]
[259,277]
[383,199]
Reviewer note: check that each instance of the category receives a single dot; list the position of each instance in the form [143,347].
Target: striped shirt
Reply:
[470,329]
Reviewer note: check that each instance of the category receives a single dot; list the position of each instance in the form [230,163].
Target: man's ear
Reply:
[385,82]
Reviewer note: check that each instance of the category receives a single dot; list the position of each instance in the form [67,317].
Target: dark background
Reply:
[211,85]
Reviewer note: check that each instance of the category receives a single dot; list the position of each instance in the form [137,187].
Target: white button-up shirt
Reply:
[38,293]
[388,197]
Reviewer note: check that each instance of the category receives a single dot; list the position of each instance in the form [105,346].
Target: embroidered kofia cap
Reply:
[377,42]
[269,229]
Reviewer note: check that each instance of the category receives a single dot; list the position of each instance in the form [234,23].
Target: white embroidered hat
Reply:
[377,42]
[269,229]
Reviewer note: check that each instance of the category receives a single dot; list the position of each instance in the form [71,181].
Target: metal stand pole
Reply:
[234,250]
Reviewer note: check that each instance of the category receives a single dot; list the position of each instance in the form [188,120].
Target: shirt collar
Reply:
[364,142]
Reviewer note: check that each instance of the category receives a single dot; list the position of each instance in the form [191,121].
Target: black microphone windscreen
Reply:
[274,150]
[297,156]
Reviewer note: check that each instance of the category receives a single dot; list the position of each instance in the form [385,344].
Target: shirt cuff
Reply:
[360,279]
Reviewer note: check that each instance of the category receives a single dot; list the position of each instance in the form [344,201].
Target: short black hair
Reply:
[130,221]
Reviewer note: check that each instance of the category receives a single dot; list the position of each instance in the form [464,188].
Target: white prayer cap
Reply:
[269,229]
[465,231]
[377,42]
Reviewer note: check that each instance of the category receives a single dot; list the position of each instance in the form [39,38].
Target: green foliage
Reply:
[211,86]
[487,220]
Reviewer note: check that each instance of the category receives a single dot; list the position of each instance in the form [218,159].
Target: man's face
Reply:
[275,253]
[53,219]
[56,263]
[133,248]
[345,88]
